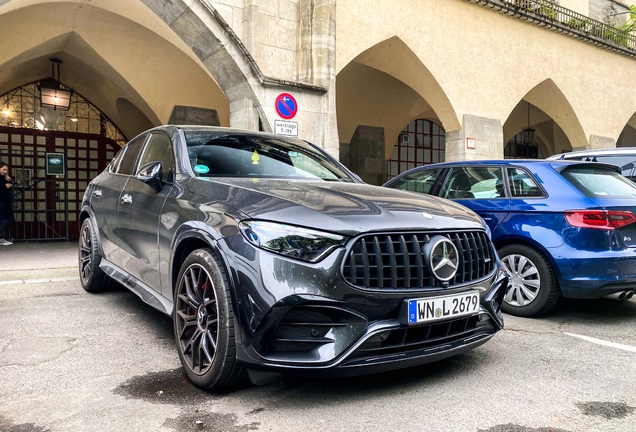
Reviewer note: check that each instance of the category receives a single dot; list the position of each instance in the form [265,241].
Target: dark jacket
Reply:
[5,194]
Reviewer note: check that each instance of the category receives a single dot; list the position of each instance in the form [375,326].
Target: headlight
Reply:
[302,243]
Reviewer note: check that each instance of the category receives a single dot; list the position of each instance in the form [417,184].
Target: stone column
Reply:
[600,142]
[316,64]
[366,155]
[244,114]
[487,135]
[187,115]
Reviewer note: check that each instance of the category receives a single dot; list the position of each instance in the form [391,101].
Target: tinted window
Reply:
[243,155]
[522,184]
[114,165]
[625,162]
[129,160]
[159,149]
[600,182]
[420,181]
[474,182]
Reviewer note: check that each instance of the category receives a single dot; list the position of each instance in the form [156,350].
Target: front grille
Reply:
[424,337]
[396,261]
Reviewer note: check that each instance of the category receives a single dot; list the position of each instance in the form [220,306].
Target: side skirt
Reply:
[145,293]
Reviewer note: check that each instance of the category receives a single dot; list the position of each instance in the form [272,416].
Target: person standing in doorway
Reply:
[6,213]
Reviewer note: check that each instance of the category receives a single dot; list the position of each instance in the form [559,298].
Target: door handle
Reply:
[126,199]
[97,193]
[487,219]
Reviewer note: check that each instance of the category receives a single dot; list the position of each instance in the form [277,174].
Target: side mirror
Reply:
[151,174]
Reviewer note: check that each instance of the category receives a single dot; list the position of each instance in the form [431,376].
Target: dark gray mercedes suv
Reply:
[271,256]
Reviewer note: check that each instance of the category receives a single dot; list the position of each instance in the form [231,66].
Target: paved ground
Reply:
[73,361]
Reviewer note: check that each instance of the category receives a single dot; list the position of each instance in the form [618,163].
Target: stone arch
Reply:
[180,38]
[387,86]
[551,111]
[627,138]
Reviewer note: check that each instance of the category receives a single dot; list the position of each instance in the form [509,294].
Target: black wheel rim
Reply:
[86,253]
[197,323]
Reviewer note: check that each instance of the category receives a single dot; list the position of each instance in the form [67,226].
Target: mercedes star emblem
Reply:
[443,258]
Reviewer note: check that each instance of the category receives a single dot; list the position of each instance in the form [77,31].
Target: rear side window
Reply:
[522,184]
[420,181]
[600,182]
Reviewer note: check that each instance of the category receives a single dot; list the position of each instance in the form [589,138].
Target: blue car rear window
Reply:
[600,182]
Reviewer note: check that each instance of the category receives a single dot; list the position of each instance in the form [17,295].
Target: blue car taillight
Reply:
[599,219]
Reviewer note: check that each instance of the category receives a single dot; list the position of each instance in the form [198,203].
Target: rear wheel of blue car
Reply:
[204,322]
[533,287]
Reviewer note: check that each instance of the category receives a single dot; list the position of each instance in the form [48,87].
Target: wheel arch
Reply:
[85,213]
[189,238]
[527,241]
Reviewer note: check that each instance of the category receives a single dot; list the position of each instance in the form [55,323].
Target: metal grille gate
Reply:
[46,206]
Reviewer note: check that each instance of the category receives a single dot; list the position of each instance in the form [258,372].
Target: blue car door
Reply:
[481,188]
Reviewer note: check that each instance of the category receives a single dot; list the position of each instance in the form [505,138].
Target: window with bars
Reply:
[422,142]
[20,108]
[519,148]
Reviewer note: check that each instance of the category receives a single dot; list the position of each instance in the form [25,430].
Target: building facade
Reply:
[384,86]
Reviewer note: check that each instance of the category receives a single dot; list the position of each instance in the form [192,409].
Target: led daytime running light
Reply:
[296,242]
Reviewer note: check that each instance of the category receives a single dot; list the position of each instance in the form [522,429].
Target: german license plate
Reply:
[442,308]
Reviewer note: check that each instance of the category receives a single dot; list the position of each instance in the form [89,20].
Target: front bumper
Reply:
[305,319]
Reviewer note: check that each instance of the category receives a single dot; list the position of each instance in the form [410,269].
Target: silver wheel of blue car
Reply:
[525,281]
[204,322]
[533,288]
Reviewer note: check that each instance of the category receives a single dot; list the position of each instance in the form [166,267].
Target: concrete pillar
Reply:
[486,134]
[366,155]
[343,155]
[243,114]
[187,115]
[601,142]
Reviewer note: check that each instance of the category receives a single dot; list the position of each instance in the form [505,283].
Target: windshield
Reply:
[600,182]
[214,154]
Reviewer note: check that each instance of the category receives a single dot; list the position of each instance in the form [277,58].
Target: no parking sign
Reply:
[286,106]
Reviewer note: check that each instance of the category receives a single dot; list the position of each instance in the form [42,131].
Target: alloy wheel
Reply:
[197,321]
[524,280]
[86,253]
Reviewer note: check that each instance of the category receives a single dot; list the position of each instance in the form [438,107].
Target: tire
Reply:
[92,278]
[204,323]
[533,289]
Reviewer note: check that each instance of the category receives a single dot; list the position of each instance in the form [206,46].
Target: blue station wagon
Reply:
[561,228]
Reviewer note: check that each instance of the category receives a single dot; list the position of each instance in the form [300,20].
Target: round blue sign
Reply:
[286,106]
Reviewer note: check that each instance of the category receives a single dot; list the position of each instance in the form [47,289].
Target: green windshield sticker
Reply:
[293,154]
[201,169]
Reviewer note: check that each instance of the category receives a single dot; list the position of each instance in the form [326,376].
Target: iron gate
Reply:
[46,206]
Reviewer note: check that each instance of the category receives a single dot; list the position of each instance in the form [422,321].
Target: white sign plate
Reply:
[288,128]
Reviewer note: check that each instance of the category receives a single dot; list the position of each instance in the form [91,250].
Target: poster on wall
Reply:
[55,164]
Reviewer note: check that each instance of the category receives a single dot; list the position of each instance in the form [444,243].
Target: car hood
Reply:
[346,208]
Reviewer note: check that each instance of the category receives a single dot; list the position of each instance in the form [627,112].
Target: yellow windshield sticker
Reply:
[255,158]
